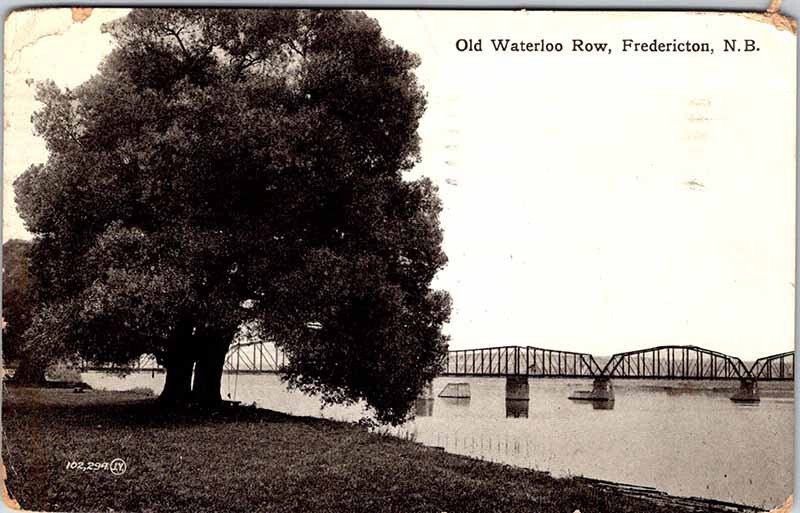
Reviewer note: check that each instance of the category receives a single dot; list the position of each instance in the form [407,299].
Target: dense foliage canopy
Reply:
[19,305]
[242,167]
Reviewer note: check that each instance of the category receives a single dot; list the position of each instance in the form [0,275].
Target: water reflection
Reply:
[597,404]
[747,406]
[678,391]
[424,407]
[457,402]
[517,408]
[602,405]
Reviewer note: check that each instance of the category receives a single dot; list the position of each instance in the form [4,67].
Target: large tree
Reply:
[19,304]
[242,167]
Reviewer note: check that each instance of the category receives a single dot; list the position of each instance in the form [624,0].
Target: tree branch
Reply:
[300,51]
[177,34]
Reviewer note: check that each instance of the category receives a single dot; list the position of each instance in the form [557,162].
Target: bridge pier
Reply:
[427,392]
[747,393]
[423,405]
[602,390]
[517,388]
[517,396]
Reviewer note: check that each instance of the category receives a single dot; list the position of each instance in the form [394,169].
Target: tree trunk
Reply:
[30,371]
[178,383]
[179,366]
[208,373]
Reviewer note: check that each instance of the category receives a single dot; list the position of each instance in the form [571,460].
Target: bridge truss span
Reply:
[675,362]
[777,367]
[255,357]
[661,362]
[519,361]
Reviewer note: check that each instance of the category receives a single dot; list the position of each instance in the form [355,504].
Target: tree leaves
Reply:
[223,158]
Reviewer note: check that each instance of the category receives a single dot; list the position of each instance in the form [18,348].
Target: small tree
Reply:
[238,166]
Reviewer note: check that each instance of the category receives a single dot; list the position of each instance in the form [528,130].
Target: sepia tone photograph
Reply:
[335,260]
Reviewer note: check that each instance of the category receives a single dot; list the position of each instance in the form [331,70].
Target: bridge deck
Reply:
[661,362]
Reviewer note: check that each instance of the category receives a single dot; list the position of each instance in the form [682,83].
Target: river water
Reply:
[687,439]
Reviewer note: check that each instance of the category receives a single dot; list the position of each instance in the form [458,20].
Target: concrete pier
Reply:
[602,390]
[517,388]
[517,397]
[747,393]
[427,392]
[455,391]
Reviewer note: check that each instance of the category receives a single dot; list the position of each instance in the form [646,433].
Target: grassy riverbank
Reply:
[248,460]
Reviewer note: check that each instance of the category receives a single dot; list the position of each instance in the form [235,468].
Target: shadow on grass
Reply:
[132,409]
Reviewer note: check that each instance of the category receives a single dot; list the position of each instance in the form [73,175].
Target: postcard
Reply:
[333,260]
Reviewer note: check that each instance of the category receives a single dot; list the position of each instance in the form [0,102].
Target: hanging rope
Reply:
[236,379]
[228,379]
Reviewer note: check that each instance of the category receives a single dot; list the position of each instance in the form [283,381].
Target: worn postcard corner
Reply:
[774,17]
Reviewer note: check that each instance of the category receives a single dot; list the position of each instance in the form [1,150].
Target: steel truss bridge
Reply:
[520,361]
[661,362]
[248,358]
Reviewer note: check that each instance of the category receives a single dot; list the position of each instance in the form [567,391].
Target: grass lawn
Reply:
[248,460]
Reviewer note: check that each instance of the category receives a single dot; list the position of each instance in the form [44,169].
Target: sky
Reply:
[596,203]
